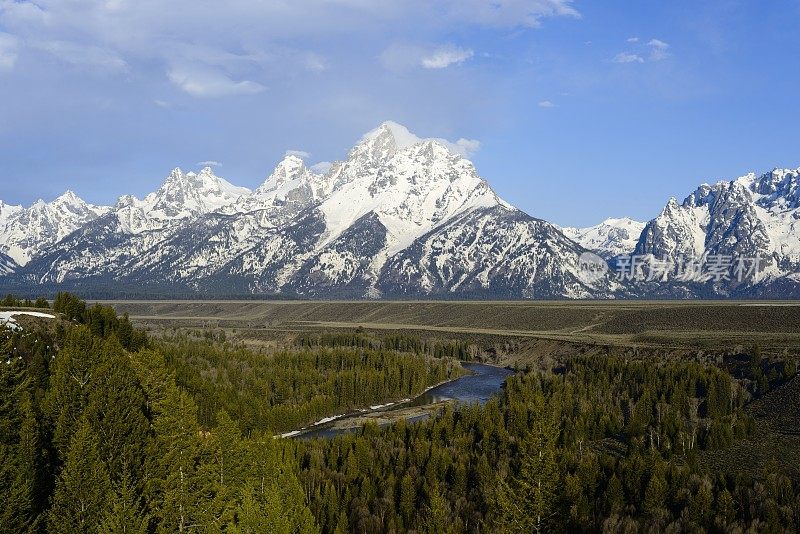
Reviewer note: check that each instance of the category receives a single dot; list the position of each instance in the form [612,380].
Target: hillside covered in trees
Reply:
[103,430]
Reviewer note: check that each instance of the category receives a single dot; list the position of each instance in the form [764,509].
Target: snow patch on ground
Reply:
[7,317]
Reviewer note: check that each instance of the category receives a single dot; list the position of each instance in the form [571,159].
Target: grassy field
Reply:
[513,330]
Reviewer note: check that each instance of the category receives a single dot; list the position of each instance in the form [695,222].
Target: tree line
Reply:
[287,389]
[437,348]
[10,301]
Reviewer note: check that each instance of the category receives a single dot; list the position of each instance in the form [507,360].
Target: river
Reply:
[477,387]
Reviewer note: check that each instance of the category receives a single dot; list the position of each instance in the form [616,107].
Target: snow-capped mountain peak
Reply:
[6,211]
[780,186]
[26,232]
[180,196]
[748,219]
[385,140]
[610,238]
[289,189]
[194,192]
[410,183]
[290,168]
[290,174]
[380,144]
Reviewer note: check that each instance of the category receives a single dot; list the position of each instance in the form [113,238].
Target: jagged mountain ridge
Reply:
[308,234]
[750,217]
[25,233]
[399,216]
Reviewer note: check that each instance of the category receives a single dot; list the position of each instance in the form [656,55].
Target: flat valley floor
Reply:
[512,331]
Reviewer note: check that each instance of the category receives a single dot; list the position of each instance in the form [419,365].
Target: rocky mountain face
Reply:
[7,265]
[25,233]
[400,216]
[747,227]
[494,250]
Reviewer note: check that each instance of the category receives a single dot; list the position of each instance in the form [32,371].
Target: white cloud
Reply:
[245,40]
[162,103]
[628,57]
[8,51]
[83,55]
[210,163]
[464,147]
[315,62]
[546,104]
[658,49]
[505,13]
[299,153]
[402,57]
[322,167]
[653,50]
[204,82]
[445,56]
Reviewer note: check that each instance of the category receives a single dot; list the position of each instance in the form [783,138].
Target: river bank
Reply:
[479,386]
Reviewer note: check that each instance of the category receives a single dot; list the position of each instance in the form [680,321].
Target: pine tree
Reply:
[18,450]
[726,510]
[72,380]
[527,503]
[82,489]
[179,489]
[115,409]
[436,513]
[272,509]
[124,514]
[408,498]
[250,517]
[656,492]
[223,467]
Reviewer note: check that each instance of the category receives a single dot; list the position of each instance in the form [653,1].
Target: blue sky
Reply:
[582,109]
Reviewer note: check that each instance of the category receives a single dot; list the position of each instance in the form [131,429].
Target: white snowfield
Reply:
[7,317]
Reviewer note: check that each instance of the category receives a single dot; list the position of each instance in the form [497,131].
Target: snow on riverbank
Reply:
[337,417]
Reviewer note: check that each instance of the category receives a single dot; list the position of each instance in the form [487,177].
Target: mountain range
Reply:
[399,217]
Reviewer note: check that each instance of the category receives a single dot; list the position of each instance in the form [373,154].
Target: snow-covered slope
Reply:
[181,196]
[399,216]
[610,238]
[7,265]
[747,218]
[133,230]
[6,211]
[26,232]
[495,250]
[394,197]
